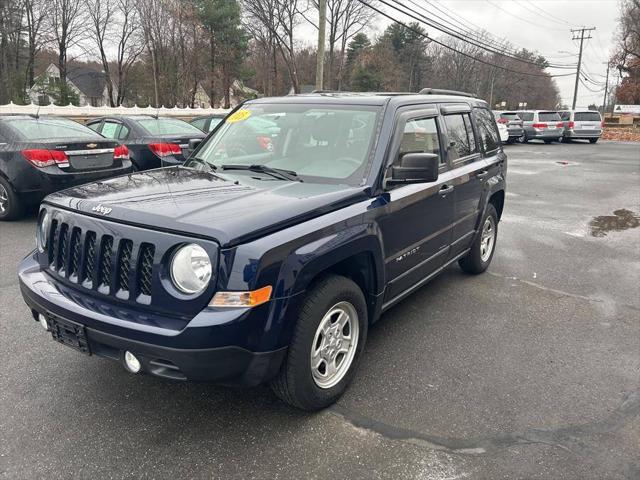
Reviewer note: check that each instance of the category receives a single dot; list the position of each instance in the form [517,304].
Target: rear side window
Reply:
[526,116]
[549,117]
[50,128]
[487,130]
[214,123]
[420,136]
[587,117]
[95,126]
[111,129]
[462,141]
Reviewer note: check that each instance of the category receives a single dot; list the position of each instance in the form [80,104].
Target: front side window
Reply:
[50,128]
[487,130]
[167,126]
[460,133]
[321,143]
[420,136]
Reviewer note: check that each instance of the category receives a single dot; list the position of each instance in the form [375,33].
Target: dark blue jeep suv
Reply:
[248,265]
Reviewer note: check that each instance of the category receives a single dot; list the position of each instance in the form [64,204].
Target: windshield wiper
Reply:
[274,172]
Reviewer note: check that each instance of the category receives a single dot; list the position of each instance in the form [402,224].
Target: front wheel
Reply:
[481,253]
[593,140]
[327,343]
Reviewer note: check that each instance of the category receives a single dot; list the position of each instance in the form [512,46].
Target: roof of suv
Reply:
[368,98]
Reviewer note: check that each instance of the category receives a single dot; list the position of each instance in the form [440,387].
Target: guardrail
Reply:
[72,111]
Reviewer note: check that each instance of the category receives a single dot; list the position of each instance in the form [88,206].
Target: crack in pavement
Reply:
[559,292]
[559,437]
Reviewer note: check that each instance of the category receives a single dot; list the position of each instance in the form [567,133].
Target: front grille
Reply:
[110,265]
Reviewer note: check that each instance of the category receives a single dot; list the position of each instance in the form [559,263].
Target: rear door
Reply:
[417,220]
[468,169]
[588,122]
[550,122]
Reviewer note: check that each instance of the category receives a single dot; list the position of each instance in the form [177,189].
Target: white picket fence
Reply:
[78,112]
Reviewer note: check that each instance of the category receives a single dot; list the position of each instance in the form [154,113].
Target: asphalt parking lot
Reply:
[529,371]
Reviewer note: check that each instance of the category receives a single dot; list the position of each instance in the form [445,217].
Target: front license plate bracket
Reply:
[69,333]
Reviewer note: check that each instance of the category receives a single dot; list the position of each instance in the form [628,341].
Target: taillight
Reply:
[165,149]
[602,124]
[559,124]
[45,158]
[539,125]
[571,124]
[121,152]
[503,120]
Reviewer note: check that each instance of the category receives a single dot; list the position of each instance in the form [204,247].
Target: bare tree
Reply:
[101,15]
[35,14]
[130,44]
[280,18]
[67,20]
[345,19]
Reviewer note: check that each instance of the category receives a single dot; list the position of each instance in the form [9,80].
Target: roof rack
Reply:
[438,91]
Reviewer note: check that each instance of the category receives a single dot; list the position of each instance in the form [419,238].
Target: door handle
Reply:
[482,174]
[446,189]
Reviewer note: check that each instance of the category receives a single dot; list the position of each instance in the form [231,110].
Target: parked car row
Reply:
[41,155]
[551,126]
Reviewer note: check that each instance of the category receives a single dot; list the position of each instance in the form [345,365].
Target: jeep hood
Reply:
[202,204]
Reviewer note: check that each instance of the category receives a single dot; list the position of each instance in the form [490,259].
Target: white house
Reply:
[90,85]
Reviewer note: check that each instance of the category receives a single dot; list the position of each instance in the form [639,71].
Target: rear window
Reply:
[526,116]
[510,116]
[167,126]
[549,117]
[587,117]
[50,128]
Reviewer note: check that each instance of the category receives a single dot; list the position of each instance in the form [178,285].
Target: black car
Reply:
[41,155]
[152,141]
[207,123]
[245,267]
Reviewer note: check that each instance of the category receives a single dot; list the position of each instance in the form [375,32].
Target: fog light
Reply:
[43,321]
[131,362]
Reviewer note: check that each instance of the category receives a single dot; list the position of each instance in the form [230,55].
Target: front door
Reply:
[417,220]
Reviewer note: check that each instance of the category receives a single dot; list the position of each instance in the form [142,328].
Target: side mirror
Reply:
[193,144]
[416,168]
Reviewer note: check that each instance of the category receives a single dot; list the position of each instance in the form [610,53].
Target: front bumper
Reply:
[196,352]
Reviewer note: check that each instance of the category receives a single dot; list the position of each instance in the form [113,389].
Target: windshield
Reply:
[50,128]
[167,126]
[320,143]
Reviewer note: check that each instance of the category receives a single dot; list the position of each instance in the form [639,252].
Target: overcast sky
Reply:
[544,26]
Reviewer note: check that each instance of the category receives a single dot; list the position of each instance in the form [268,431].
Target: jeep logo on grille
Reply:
[102,209]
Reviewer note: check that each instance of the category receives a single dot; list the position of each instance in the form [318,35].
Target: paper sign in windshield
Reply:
[239,116]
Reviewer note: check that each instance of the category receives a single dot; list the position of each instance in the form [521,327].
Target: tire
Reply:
[477,260]
[297,383]
[593,140]
[523,139]
[10,206]
[548,141]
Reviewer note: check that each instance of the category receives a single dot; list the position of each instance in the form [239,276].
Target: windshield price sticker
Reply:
[239,116]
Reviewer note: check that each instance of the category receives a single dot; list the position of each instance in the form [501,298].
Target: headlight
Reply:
[191,269]
[42,231]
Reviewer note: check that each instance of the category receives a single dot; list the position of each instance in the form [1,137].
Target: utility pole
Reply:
[582,38]
[322,21]
[606,91]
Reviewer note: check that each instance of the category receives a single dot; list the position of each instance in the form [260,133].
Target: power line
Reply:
[543,13]
[546,27]
[485,43]
[479,60]
[438,26]
[582,39]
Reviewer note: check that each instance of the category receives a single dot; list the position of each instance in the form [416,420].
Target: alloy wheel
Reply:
[488,239]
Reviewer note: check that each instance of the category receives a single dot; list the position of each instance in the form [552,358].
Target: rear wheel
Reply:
[326,346]
[593,140]
[10,207]
[523,138]
[479,258]
[548,141]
